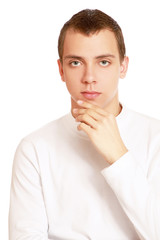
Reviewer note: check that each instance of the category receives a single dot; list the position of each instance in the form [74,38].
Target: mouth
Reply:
[90,95]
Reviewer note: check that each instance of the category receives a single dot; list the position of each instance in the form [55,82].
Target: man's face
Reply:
[91,68]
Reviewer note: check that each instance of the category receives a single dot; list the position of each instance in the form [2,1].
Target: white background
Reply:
[31,92]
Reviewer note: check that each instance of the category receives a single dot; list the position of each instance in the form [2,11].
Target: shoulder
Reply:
[41,141]
[48,132]
[153,123]
[144,123]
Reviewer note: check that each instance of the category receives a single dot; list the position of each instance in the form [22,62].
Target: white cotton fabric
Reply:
[63,189]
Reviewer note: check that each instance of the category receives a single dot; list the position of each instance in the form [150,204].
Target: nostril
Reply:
[88,78]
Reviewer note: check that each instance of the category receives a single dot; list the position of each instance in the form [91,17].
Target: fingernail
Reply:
[75,110]
[79,102]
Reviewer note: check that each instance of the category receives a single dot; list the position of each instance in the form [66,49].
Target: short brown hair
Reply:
[89,22]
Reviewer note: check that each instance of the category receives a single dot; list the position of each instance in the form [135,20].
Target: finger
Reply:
[92,113]
[87,129]
[88,105]
[85,118]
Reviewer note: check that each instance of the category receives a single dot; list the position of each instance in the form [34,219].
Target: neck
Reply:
[114,107]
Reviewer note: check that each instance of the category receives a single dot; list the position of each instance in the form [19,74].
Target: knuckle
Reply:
[89,111]
[109,116]
[84,116]
[81,125]
[81,117]
[103,120]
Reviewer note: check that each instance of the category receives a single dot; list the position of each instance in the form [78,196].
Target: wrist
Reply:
[117,155]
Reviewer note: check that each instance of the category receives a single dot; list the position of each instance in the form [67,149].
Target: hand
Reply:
[101,127]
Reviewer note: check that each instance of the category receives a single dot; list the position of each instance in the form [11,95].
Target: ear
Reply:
[124,67]
[60,66]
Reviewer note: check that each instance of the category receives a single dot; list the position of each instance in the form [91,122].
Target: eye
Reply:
[104,63]
[75,63]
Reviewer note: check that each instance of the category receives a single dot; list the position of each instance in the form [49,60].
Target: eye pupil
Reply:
[104,63]
[75,63]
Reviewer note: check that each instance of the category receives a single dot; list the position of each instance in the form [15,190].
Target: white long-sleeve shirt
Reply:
[63,189]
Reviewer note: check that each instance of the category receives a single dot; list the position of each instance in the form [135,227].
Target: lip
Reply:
[90,95]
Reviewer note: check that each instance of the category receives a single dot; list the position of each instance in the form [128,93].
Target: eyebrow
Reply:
[72,57]
[105,56]
[97,57]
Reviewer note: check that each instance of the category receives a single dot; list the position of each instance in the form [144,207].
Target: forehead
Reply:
[102,42]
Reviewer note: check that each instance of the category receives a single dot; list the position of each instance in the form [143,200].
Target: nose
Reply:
[88,76]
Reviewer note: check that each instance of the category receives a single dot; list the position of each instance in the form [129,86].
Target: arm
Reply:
[138,195]
[27,215]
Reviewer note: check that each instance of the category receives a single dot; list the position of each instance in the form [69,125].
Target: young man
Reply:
[94,173]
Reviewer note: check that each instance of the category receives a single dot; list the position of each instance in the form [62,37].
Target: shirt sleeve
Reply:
[138,195]
[27,215]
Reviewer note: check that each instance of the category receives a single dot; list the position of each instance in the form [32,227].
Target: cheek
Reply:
[115,72]
[110,80]
[72,82]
